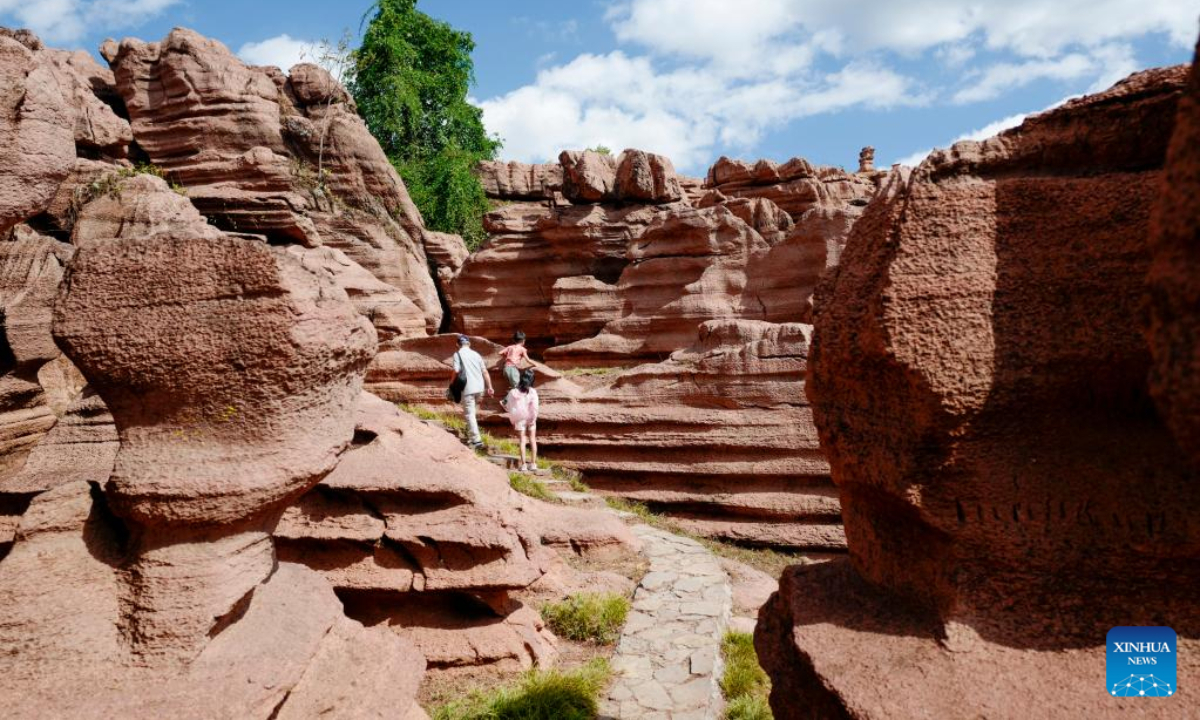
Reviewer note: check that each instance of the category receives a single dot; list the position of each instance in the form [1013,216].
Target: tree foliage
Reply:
[410,81]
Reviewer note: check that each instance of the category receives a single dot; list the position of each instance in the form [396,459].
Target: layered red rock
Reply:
[37,127]
[608,283]
[979,381]
[742,259]
[719,436]
[531,248]
[36,383]
[520,181]
[230,372]
[796,186]
[419,535]
[286,158]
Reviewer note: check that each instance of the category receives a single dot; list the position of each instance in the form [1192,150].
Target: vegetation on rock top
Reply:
[410,80]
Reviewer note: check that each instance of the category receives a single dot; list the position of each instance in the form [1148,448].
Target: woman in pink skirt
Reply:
[521,407]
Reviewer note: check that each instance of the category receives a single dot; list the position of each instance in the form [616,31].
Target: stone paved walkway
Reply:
[668,661]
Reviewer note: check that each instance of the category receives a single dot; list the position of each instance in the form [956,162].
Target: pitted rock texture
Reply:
[272,367]
[1174,281]
[286,158]
[979,380]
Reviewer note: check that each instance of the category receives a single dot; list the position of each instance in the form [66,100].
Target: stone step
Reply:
[509,462]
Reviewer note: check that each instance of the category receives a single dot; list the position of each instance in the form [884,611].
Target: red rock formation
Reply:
[287,158]
[33,374]
[795,186]
[36,129]
[633,176]
[530,249]
[724,261]
[719,436]
[230,372]
[613,284]
[520,181]
[418,534]
[1174,281]
[980,384]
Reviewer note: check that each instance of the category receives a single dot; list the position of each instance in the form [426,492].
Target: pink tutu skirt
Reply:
[522,409]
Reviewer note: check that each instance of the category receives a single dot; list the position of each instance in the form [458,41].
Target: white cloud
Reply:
[282,51]
[622,101]
[66,21]
[723,29]
[998,78]
[696,76]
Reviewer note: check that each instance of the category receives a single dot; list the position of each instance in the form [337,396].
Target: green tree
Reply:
[410,81]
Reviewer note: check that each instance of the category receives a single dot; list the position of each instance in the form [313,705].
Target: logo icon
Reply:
[1141,661]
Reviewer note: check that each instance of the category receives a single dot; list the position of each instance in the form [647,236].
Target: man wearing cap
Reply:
[470,365]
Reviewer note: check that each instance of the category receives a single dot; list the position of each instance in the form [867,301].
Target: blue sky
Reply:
[697,79]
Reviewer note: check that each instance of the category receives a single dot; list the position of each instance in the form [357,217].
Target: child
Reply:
[512,357]
[521,406]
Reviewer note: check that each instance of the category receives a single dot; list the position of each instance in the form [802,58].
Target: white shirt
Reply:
[473,362]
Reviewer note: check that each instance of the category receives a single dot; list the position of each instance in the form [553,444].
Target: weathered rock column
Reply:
[231,374]
[979,381]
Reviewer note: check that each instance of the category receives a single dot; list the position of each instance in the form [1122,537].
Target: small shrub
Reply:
[530,486]
[538,695]
[595,617]
[744,683]
[602,149]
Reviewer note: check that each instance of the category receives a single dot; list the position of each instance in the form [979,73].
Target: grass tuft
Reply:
[531,486]
[538,695]
[744,683]
[595,617]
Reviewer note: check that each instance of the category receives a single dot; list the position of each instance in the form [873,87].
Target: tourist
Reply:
[470,366]
[512,358]
[521,406]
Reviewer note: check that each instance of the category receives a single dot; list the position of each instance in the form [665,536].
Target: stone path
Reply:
[668,661]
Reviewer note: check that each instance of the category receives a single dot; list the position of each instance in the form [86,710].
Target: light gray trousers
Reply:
[469,402]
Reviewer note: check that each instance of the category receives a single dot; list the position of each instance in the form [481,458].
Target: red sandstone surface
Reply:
[200,510]
[985,367]
[979,381]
